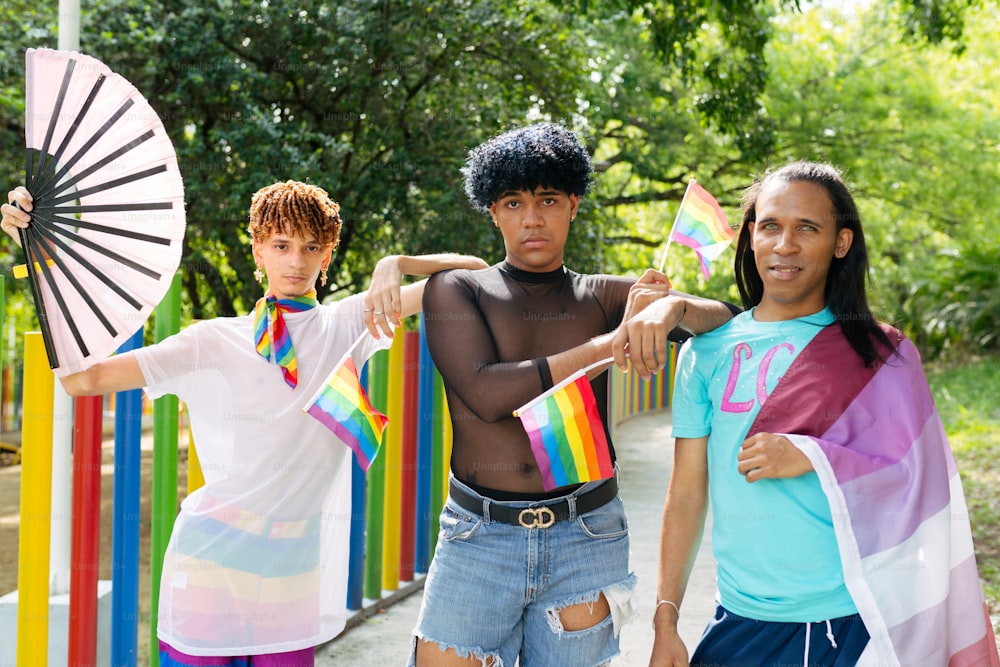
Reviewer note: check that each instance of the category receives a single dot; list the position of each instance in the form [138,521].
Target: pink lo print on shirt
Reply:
[734,374]
[765,365]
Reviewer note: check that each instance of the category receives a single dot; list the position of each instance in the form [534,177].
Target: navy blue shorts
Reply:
[737,641]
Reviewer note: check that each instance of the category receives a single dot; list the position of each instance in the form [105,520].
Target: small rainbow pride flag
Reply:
[700,225]
[342,405]
[566,434]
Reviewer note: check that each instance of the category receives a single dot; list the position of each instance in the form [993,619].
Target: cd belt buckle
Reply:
[536,517]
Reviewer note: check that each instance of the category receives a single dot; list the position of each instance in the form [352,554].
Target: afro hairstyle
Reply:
[540,155]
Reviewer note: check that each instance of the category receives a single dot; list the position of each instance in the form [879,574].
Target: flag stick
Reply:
[363,336]
[355,344]
[347,354]
[572,378]
[670,236]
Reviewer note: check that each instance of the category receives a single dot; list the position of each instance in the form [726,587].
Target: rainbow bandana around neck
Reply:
[268,323]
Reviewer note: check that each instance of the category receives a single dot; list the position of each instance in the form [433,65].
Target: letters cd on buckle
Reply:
[536,517]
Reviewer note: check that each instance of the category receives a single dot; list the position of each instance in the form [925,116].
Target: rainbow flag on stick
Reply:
[701,225]
[567,434]
[342,405]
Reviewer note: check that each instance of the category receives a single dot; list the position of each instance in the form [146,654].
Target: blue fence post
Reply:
[126,498]
[425,443]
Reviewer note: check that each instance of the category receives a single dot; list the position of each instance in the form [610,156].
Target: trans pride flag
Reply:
[342,405]
[700,225]
[567,434]
[879,449]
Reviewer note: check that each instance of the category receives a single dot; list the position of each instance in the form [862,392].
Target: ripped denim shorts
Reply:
[495,590]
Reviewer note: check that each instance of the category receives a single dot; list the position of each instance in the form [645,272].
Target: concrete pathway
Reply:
[645,453]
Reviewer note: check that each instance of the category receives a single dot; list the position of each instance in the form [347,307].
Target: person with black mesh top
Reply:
[502,588]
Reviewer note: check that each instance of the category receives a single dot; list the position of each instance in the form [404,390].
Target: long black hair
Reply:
[846,280]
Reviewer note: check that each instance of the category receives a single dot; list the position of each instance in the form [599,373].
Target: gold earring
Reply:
[258,275]
[322,277]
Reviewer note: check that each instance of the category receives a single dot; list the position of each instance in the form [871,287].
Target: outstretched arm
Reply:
[466,346]
[118,373]
[387,300]
[654,310]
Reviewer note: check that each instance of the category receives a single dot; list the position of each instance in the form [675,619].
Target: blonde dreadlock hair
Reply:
[294,208]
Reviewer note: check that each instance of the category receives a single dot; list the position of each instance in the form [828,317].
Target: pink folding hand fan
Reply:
[108,220]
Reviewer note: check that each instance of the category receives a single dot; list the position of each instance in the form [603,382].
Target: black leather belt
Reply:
[540,515]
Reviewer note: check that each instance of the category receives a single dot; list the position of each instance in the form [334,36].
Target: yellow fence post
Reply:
[36,505]
[392,449]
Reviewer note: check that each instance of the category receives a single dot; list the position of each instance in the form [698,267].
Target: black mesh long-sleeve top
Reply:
[488,332]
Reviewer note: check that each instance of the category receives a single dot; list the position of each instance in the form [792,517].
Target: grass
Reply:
[967,393]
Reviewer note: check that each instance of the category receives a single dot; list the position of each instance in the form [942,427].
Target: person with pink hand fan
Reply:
[256,568]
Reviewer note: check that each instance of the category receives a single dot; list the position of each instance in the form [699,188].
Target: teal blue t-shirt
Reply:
[773,539]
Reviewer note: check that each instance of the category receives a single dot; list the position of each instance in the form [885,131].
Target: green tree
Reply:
[915,129]
[379,101]
[912,124]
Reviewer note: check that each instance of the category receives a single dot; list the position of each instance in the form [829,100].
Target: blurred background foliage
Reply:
[379,102]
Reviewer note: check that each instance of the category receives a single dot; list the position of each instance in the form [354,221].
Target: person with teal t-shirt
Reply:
[724,377]
[772,537]
[838,521]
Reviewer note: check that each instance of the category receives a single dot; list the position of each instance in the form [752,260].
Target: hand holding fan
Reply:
[108,219]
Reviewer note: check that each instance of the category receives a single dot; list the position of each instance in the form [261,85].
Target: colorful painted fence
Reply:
[396,505]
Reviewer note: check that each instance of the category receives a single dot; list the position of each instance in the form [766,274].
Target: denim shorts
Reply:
[496,590]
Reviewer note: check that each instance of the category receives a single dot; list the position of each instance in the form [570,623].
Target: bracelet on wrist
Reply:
[669,602]
[657,608]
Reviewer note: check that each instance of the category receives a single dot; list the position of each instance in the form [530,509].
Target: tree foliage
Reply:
[379,102]
[916,130]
